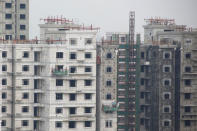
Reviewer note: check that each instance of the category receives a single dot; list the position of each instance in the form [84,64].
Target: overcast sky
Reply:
[113,15]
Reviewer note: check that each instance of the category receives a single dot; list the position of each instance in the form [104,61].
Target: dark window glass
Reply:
[88,55]
[142,81]
[123,39]
[22,16]
[109,55]
[8,26]
[166,96]
[88,82]
[166,82]
[73,83]
[142,55]
[72,110]
[187,82]
[187,69]
[8,5]
[166,123]
[22,27]
[88,124]
[141,121]
[8,37]
[142,68]
[25,82]
[73,56]
[88,96]
[25,68]
[73,69]
[109,83]
[59,55]
[187,95]
[188,55]
[187,109]
[22,37]
[22,6]
[4,54]
[3,109]
[59,82]
[167,55]
[59,96]
[72,124]
[108,96]
[88,69]
[25,95]
[25,122]
[88,109]
[187,123]
[58,124]
[4,95]
[4,68]
[72,97]
[25,109]
[166,69]
[109,69]
[8,16]
[25,54]
[4,81]
[142,95]
[166,109]
[3,123]
[58,110]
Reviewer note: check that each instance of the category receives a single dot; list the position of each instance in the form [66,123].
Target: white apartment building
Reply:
[50,85]
[14,19]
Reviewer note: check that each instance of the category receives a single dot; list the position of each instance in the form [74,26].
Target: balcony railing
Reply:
[110,108]
[59,72]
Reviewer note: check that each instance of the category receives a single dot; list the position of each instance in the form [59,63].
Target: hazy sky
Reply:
[113,15]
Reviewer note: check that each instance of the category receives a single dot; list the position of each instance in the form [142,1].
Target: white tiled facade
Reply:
[51,91]
[14,19]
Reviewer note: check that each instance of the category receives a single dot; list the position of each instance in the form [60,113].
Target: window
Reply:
[73,69]
[187,123]
[73,41]
[25,68]
[88,55]
[8,5]
[109,55]
[123,39]
[72,110]
[58,110]
[73,83]
[109,69]
[22,16]
[25,109]
[142,95]
[4,54]
[4,81]
[72,97]
[142,55]
[25,82]
[187,69]
[166,55]
[166,110]
[166,96]
[108,123]
[3,123]
[142,68]
[108,83]
[22,27]
[108,96]
[71,124]
[3,109]
[4,68]
[59,55]
[25,122]
[187,109]
[4,95]
[25,54]
[187,95]
[58,124]
[142,108]
[88,82]
[25,95]
[88,69]
[142,121]
[59,82]
[8,16]
[88,110]
[88,41]
[59,96]
[73,56]
[166,69]
[167,83]
[8,37]
[22,6]
[142,81]
[22,37]
[166,123]
[8,26]
[187,82]
[188,55]
[87,124]
[88,96]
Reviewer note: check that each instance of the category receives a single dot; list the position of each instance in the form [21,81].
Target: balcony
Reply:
[110,108]
[63,72]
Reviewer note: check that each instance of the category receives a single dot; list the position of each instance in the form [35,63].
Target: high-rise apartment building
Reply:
[50,85]
[14,19]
